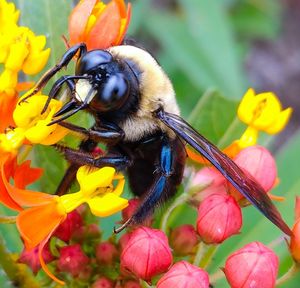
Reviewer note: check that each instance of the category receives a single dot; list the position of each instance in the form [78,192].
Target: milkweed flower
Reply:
[106,253]
[46,212]
[99,25]
[184,274]
[147,253]
[261,112]
[72,260]
[32,126]
[183,239]
[103,282]
[219,217]
[294,244]
[254,265]
[259,163]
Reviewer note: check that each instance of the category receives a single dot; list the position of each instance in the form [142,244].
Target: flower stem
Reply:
[179,201]
[15,272]
[289,274]
[201,251]
[7,219]
[208,256]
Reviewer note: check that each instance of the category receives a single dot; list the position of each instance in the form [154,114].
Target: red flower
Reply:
[183,239]
[254,265]
[257,161]
[99,25]
[72,260]
[32,260]
[147,253]
[103,282]
[132,284]
[66,229]
[184,274]
[219,217]
[295,239]
[106,253]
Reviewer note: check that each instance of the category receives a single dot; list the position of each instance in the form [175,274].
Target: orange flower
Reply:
[99,25]
[10,169]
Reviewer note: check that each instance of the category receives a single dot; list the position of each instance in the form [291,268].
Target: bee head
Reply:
[107,87]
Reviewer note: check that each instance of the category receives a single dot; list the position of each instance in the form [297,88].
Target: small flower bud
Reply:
[184,274]
[183,239]
[31,258]
[106,253]
[254,265]
[219,217]
[72,260]
[295,238]
[67,228]
[147,253]
[258,162]
[124,240]
[103,282]
[213,181]
[90,231]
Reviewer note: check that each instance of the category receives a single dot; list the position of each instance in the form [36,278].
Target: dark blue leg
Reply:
[158,191]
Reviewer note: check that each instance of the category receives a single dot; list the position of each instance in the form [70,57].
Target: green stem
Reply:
[201,251]
[209,255]
[179,201]
[15,272]
[145,284]
[7,219]
[289,274]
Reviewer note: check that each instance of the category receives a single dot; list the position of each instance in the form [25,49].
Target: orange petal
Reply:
[25,175]
[78,20]
[124,27]
[24,86]
[43,264]
[196,157]
[5,198]
[122,7]
[38,223]
[7,106]
[106,29]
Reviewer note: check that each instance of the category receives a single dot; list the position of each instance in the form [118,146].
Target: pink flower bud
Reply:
[103,282]
[132,284]
[213,179]
[219,217]
[72,260]
[183,239]
[184,274]
[106,253]
[254,265]
[124,240]
[67,228]
[258,162]
[147,253]
[31,258]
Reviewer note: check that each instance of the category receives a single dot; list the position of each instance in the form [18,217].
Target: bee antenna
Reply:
[123,226]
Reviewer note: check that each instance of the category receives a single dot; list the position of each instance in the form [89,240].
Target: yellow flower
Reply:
[32,125]
[263,112]
[8,15]
[97,190]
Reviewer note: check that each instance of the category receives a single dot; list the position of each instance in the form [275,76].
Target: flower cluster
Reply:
[61,233]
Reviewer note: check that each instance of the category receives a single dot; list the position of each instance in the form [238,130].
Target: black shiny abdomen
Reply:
[145,156]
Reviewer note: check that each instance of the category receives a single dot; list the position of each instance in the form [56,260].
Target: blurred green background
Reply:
[213,50]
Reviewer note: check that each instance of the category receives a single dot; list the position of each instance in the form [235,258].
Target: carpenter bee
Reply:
[136,115]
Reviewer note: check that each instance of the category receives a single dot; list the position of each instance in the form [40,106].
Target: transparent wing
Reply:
[243,182]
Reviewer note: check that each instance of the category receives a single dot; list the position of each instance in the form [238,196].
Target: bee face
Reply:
[106,87]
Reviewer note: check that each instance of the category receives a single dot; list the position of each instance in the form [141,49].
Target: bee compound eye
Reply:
[113,93]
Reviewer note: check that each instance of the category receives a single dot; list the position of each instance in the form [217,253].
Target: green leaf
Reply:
[212,117]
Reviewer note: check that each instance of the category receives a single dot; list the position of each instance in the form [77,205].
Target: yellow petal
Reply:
[71,201]
[12,140]
[266,111]
[120,187]
[246,106]
[90,179]
[249,138]
[281,121]
[55,136]
[36,62]
[8,81]
[40,131]
[107,204]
